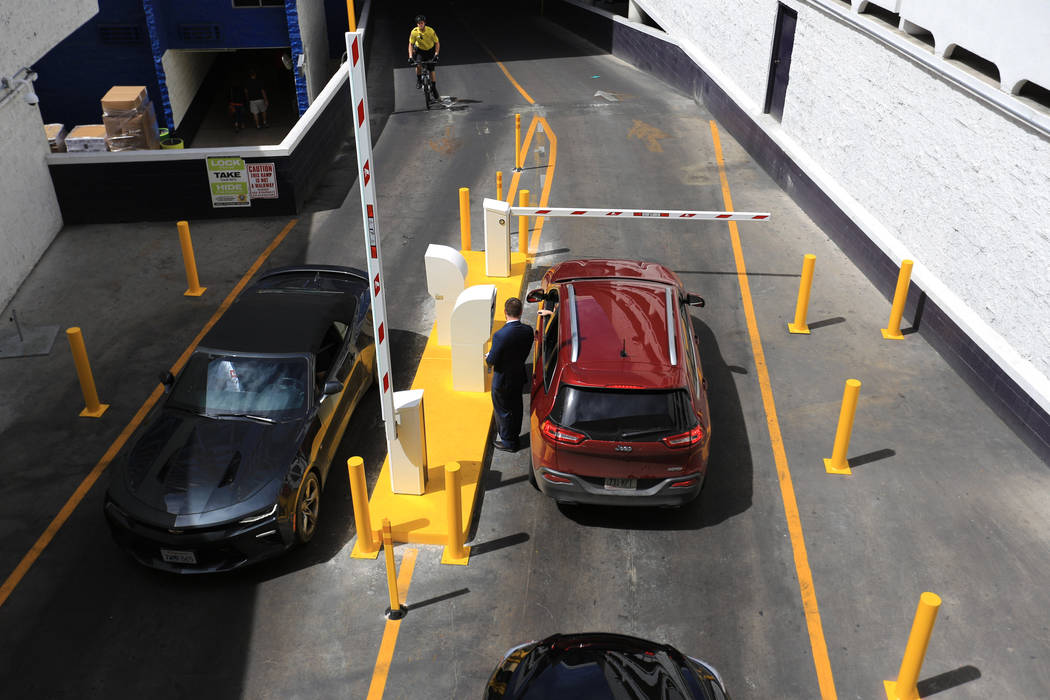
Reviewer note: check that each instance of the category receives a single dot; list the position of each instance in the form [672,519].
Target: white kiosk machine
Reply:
[446,278]
[471,329]
[408,454]
[497,238]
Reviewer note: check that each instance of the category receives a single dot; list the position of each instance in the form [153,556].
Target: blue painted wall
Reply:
[238,27]
[77,73]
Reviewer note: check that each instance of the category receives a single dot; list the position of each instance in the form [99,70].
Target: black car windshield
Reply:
[600,674]
[622,414]
[270,388]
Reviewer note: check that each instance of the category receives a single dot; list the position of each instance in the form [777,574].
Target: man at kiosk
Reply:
[510,348]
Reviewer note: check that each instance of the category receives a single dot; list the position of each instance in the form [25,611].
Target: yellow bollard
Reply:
[838,464]
[194,288]
[499,185]
[366,546]
[396,610]
[464,218]
[906,685]
[350,15]
[517,143]
[892,331]
[455,552]
[799,326]
[523,224]
[92,408]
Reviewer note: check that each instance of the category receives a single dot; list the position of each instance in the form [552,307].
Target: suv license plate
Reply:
[621,484]
[178,556]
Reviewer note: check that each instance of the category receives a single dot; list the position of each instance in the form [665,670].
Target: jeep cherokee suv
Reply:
[619,401]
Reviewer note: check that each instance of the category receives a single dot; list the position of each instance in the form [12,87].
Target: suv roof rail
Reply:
[670,327]
[574,326]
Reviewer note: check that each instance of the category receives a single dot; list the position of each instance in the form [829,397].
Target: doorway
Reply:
[780,61]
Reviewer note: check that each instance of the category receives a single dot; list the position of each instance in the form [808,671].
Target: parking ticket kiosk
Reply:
[446,278]
[497,238]
[408,454]
[471,329]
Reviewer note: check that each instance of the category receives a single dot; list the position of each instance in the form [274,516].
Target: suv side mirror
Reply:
[694,300]
[535,296]
[332,387]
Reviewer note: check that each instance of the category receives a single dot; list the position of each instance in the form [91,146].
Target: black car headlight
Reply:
[259,515]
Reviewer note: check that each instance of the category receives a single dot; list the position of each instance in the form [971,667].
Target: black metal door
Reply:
[780,63]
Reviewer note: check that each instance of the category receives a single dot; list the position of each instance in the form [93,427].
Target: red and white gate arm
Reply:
[663,214]
[370,213]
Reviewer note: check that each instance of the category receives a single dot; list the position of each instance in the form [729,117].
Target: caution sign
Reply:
[228,180]
[262,181]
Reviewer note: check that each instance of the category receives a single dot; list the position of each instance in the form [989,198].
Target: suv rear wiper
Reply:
[249,416]
[636,433]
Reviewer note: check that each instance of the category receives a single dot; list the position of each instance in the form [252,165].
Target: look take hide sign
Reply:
[228,180]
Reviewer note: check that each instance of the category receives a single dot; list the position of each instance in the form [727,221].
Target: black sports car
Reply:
[230,466]
[599,666]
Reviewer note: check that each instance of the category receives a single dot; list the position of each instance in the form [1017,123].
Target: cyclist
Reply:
[423,43]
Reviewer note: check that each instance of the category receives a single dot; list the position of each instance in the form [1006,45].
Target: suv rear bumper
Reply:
[579,490]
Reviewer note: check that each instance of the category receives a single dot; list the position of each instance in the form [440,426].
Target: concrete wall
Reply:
[314,31]
[29,213]
[184,72]
[931,163]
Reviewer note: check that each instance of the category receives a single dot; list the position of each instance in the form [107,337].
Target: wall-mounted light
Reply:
[10,86]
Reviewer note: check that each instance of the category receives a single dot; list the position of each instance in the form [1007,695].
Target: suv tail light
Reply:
[687,439]
[560,434]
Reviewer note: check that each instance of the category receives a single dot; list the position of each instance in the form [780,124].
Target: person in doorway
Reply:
[423,43]
[510,348]
[258,102]
[238,106]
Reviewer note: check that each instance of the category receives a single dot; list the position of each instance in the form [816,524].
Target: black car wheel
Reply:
[307,508]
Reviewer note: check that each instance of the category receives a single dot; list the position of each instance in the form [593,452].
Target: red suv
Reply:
[619,400]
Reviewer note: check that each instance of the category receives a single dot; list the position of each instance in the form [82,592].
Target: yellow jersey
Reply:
[424,39]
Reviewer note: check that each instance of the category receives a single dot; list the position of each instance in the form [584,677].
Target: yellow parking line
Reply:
[386,647]
[787,490]
[71,504]
[534,243]
[526,142]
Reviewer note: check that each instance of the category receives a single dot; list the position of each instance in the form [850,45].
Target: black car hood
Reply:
[188,464]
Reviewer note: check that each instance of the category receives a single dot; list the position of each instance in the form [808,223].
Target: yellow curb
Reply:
[457,429]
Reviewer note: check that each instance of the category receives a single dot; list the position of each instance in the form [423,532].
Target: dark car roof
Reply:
[288,310]
[623,335]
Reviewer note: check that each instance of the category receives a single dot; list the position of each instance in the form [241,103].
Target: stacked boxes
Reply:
[56,137]
[86,138]
[129,119]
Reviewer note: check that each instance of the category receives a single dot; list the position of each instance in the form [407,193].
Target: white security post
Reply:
[497,238]
[471,329]
[408,454]
[446,278]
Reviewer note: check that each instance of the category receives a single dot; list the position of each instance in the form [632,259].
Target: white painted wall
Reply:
[315,45]
[29,214]
[920,155]
[184,72]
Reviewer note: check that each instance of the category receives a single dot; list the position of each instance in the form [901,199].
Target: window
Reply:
[622,414]
[550,339]
[119,34]
[780,61]
[258,3]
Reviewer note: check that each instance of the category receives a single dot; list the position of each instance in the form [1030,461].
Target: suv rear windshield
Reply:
[623,414]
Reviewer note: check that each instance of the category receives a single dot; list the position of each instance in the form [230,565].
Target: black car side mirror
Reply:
[167,379]
[694,300]
[535,296]
[332,387]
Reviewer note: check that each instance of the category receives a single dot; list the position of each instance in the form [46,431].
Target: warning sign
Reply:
[262,181]
[228,180]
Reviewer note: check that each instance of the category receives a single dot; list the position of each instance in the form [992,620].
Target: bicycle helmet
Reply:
[420,18]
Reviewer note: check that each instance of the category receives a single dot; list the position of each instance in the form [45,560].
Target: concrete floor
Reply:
[943,496]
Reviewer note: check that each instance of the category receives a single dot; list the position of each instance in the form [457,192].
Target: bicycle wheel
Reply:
[426,91]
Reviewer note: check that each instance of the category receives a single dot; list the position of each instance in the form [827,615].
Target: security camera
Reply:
[31,98]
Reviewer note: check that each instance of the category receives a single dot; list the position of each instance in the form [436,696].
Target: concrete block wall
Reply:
[923,161]
[184,72]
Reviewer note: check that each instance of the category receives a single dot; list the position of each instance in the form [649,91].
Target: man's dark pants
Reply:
[508,407]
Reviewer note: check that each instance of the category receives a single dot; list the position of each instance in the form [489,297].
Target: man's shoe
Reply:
[504,447]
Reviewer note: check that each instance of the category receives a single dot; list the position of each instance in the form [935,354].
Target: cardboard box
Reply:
[134,130]
[123,98]
[56,137]
[86,137]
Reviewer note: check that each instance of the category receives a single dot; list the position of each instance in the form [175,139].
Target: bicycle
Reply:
[429,91]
